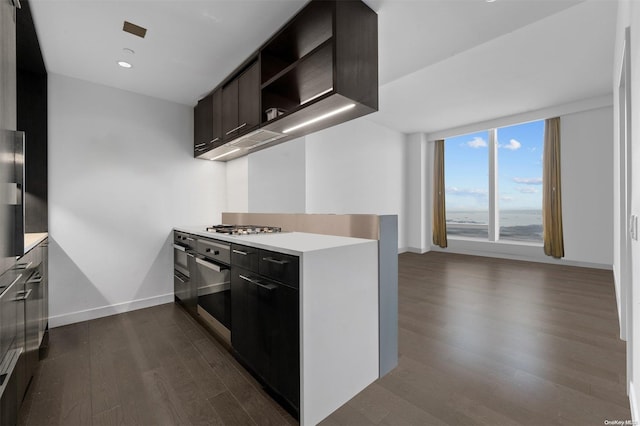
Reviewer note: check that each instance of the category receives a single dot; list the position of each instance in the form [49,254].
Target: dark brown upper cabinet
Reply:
[207,123]
[320,69]
[241,103]
[202,124]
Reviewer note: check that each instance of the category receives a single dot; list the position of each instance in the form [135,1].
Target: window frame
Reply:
[493,235]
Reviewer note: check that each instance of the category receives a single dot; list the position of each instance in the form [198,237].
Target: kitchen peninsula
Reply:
[337,313]
[334,331]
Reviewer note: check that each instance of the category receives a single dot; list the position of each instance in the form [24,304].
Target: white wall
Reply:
[587,185]
[121,176]
[629,16]
[418,192]
[276,179]
[358,167]
[238,185]
[355,167]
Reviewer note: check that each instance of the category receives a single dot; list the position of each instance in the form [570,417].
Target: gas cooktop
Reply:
[242,229]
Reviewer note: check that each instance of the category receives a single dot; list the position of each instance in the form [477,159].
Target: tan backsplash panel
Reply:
[344,225]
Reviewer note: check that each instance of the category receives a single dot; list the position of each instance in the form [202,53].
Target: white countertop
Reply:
[33,239]
[295,243]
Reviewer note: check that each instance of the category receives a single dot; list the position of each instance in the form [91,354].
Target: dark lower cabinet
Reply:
[9,400]
[265,332]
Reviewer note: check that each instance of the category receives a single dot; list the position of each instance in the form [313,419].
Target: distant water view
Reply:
[515,225]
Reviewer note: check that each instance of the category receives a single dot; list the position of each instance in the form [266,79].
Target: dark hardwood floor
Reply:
[482,342]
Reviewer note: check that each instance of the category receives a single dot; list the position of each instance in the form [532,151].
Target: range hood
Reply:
[242,146]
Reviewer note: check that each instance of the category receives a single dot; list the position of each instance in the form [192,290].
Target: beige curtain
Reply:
[439,216]
[551,194]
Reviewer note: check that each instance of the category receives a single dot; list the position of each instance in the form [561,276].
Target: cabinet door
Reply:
[202,125]
[216,137]
[230,110]
[285,344]
[249,99]
[265,331]
[245,325]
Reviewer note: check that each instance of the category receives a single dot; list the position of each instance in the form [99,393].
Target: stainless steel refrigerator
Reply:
[11,197]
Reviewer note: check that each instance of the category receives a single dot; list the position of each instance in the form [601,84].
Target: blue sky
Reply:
[519,169]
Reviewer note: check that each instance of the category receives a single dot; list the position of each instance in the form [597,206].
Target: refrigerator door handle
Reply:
[19,152]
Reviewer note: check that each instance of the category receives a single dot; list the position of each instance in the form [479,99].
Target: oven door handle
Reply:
[177,247]
[209,265]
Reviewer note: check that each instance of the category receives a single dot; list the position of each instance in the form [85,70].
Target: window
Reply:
[467,185]
[493,183]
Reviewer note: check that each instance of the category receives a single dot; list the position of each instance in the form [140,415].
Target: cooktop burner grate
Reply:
[242,229]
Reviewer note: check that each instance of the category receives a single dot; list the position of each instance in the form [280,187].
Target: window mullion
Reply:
[494,218]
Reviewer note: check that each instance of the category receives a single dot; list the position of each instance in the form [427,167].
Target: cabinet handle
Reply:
[35,280]
[177,247]
[246,279]
[237,128]
[21,266]
[214,140]
[24,295]
[16,4]
[200,144]
[276,261]
[179,279]
[189,239]
[269,287]
[244,253]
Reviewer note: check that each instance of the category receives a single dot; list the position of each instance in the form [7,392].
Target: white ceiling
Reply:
[563,58]
[443,63]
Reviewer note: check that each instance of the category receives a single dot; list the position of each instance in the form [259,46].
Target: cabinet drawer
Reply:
[214,250]
[183,239]
[279,267]
[245,257]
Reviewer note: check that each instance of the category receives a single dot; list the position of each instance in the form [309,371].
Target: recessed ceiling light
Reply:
[124,64]
[128,51]
[490,1]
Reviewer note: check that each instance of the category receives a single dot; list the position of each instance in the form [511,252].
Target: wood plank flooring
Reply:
[482,342]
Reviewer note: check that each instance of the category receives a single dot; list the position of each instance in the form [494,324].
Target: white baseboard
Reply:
[105,311]
[617,286]
[415,250]
[473,251]
[633,402]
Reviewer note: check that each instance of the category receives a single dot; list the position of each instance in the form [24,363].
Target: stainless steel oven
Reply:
[183,263]
[213,285]
[182,244]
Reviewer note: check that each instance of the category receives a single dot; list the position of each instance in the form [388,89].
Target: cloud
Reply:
[528,181]
[513,145]
[506,198]
[480,193]
[477,142]
[527,190]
